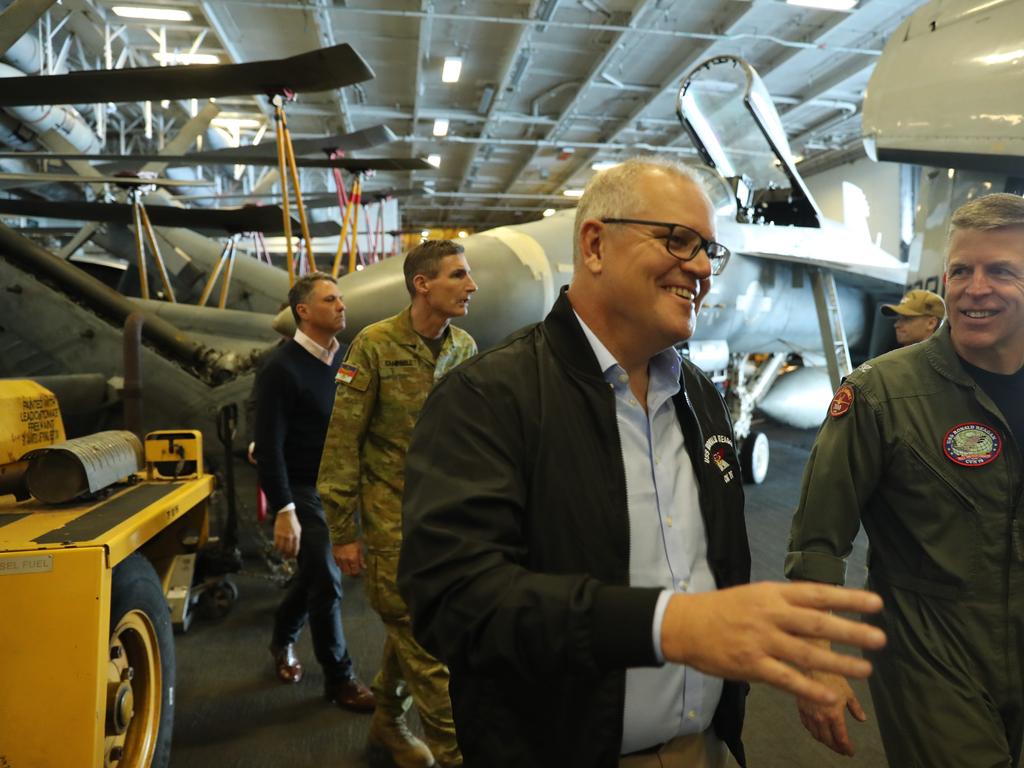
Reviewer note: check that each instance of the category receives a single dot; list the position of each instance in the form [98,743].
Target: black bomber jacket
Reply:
[515,559]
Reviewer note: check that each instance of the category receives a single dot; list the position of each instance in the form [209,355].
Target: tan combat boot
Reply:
[394,735]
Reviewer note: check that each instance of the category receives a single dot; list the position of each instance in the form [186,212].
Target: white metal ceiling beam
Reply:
[569,112]
[325,31]
[422,53]
[516,65]
[481,19]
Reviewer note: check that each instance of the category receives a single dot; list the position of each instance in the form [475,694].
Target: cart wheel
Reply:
[140,670]
[754,456]
[217,600]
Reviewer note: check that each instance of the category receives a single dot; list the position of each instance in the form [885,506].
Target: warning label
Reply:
[29,418]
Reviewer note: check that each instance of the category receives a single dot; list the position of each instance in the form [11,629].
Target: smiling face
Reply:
[985,297]
[650,296]
[448,293]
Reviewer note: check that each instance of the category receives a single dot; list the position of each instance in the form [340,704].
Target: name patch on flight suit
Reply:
[398,363]
[972,444]
[841,402]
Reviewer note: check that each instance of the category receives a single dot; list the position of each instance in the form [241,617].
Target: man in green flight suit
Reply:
[387,374]
[923,447]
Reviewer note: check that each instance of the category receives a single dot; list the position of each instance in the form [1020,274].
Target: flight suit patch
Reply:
[972,444]
[841,402]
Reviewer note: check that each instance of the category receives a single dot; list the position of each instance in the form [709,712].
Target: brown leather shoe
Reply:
[289,669]
[351,694]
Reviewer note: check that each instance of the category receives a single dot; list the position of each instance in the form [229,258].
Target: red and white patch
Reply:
[972,444]
[842,401]
[346,373]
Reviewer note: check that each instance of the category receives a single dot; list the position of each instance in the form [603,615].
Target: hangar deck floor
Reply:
[232,713]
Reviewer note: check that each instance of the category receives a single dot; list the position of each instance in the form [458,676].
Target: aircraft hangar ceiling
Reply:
[547,88]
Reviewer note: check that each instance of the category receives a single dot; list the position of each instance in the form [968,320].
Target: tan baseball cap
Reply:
[917,304]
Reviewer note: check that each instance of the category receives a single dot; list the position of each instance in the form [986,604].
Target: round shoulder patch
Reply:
[842,401]
[972,444]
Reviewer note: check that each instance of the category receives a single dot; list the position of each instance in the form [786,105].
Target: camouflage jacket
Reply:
[387,375]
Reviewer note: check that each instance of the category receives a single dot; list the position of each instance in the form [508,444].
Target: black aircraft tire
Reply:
[754,457]
[140,702]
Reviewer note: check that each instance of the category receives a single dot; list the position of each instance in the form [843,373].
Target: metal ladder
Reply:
[830,322]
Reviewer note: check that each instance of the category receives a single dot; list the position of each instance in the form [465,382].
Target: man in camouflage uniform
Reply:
[390,369]
[922,446]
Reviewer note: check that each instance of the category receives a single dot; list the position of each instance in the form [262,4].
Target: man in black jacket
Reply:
[294,397]
[573,517]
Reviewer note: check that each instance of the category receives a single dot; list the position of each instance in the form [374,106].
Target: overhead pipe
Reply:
[132,395]
[63,119]
[542,23]
[216,366]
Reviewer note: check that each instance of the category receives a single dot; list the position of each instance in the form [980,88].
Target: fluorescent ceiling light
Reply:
[573,193]
[441,126]
[434,160]
[603,165]
[826,5]
[452,69]
[151,14]
[549,212]
[186,58]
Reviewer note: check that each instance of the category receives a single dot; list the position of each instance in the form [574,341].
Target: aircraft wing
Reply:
[853,260]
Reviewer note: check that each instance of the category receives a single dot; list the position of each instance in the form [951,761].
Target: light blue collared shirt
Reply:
[667,546]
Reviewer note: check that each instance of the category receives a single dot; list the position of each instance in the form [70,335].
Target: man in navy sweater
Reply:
[294,398]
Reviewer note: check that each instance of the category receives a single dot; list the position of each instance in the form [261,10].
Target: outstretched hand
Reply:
[827,722]
[766,632]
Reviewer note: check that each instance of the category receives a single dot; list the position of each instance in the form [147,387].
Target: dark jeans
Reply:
[315,592]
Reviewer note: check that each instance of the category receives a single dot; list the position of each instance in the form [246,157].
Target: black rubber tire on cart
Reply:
[140,678]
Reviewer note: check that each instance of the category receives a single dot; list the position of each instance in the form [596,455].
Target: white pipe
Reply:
[65,120]
[27,55]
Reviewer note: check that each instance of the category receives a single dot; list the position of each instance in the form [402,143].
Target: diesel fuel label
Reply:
[10,566]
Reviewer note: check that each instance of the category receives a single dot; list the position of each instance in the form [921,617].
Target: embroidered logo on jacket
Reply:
[972,445]
[841,402]
[346,373]
[714,450]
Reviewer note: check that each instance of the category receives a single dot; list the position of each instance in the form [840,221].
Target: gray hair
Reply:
[299,293]
[615,193]
[994,211]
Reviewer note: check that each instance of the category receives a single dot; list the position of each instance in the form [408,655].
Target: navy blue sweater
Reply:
[294,399]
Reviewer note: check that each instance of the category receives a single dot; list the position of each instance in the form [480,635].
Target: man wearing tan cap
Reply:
[918,315]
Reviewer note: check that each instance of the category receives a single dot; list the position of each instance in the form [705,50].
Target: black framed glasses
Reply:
[684,243]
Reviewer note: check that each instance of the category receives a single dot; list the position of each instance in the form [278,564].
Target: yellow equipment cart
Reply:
[86,640]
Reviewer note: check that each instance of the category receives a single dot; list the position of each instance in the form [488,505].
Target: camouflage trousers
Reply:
[408,674]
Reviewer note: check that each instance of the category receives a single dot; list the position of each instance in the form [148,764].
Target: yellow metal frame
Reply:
[55,602]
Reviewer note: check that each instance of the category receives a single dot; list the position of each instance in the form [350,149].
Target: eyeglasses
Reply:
[684,243]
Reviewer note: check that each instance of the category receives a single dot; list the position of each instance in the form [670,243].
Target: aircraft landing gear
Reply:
[754,456]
